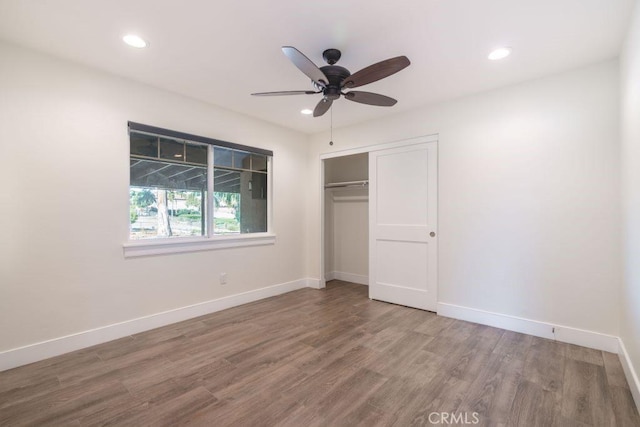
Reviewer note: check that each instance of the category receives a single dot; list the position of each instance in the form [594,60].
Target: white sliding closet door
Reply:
[403,242]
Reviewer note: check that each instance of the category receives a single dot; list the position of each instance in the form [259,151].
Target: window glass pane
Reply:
[222,157]
[197,154]
[166,199]
[226,213]
[258,185]
[253,202]
[154,173]
[144,145]
[258,162]
[226,180]
[240,202]
[172,150]
[241,160]
[226,201]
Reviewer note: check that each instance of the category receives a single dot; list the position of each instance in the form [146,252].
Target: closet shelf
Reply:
[345,184]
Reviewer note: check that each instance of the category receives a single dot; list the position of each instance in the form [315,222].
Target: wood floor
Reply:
[322,358]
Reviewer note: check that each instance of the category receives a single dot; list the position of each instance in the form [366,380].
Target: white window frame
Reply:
[210,241]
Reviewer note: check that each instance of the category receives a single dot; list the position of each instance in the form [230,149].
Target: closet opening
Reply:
[346,218]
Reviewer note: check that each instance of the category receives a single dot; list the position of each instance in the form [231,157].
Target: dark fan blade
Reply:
[322,107]
[370,98]
[286,92]
[376,72]
[305,65]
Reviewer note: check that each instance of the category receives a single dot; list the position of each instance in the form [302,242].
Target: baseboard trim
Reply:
[348,277]
[314,283]
[552,331]
[629,372]
[57,346]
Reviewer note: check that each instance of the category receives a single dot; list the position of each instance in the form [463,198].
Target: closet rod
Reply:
[363,183]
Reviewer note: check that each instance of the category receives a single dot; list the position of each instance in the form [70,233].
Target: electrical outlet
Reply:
[223,278]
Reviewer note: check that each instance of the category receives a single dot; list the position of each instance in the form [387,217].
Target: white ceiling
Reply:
[221,51]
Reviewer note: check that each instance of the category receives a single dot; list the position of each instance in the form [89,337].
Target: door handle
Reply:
[432,234]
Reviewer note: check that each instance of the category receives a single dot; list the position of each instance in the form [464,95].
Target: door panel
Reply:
[402,173]
[404,264]
[402,214]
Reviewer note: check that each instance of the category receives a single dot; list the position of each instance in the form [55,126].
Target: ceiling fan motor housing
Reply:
[336,74]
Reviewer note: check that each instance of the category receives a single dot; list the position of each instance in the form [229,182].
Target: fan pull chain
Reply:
[331,139]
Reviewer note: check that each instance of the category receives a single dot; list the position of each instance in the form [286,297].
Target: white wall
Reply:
[630,102]
[351,235]
[528,196]
[354,167]
[64,166]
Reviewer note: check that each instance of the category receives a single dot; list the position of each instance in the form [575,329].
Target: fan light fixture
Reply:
[499,53]
[306,111]
[134,41]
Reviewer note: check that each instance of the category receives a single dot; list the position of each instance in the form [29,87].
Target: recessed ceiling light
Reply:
[134,41]
[306,111]
[499,53]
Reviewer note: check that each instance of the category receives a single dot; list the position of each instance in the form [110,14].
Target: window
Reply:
[184,185]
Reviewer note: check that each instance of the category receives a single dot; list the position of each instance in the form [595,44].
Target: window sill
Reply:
[178,245]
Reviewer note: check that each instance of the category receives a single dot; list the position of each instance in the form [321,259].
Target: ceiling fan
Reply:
[331,80]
